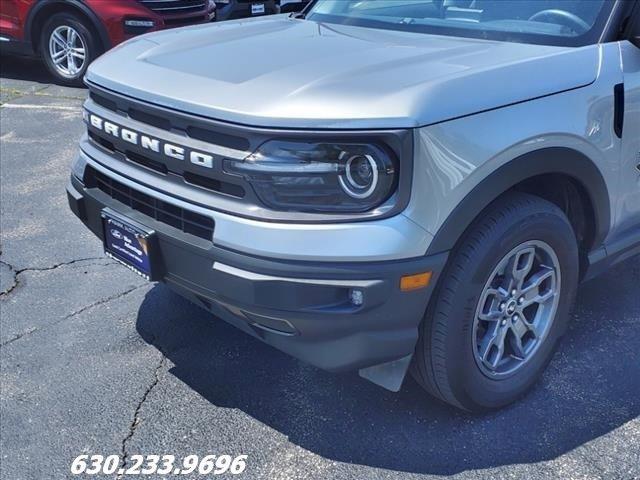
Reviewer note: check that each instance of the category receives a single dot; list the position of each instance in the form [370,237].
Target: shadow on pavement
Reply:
[24,68]
[590,389]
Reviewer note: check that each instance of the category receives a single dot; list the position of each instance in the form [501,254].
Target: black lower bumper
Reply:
[305,309]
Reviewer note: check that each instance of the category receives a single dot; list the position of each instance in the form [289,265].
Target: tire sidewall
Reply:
[88,38]
[470,385]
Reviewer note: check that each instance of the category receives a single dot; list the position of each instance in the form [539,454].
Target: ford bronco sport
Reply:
[399,186]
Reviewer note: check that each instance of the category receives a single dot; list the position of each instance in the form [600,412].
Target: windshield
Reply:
[555,22]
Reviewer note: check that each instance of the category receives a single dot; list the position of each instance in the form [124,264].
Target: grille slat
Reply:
[185,220]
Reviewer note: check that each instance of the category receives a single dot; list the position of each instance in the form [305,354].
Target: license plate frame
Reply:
[130,244]
[258,9]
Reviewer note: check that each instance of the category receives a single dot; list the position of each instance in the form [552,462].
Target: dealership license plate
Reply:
[257,9]
[128,243]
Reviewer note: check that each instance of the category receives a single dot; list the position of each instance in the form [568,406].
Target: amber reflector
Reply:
[415,282]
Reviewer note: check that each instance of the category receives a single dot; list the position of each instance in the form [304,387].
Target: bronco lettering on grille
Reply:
[148,143]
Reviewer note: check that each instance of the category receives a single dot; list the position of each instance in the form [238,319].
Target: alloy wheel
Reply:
[516,309]
[67,51]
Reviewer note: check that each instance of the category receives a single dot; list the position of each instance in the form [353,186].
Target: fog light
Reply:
[357,297]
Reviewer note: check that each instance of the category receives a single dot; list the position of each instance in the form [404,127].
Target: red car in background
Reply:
[69,34]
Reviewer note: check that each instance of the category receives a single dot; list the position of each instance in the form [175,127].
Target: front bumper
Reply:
[302,308]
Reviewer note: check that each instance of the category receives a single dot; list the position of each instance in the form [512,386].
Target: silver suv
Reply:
[390,186]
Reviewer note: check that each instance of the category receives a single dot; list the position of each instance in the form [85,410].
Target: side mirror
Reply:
[635,39]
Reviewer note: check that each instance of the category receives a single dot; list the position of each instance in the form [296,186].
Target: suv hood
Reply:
[283,72]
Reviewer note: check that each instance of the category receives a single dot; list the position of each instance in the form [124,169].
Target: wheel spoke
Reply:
[58,55]
[516,344]
[60,59]
[73,69]
[530,326]
[520,266]
[59,40]
[492,348]
[533,291]
[78,53]
[490,316]
[490,304]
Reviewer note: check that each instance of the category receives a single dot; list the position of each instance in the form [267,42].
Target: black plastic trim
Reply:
[625,246]
[618,109]
[545,161]
[16,47]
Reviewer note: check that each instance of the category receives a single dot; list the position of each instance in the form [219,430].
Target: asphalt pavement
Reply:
[95,360]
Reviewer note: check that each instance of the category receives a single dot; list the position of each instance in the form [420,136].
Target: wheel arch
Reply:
[547,162]
[45,8]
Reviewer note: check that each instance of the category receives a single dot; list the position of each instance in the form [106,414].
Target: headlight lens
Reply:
[319,177]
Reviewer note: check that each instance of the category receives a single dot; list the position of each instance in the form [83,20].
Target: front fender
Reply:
[464,164]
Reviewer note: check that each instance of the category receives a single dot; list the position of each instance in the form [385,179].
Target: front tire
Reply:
[501,307]
[67,47]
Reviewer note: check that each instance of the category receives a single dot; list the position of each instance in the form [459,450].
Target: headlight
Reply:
[319,177]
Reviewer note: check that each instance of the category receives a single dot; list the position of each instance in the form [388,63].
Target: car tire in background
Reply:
[501,306]
[67,47]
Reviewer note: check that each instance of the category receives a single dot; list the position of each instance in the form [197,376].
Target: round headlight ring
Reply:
[350,186]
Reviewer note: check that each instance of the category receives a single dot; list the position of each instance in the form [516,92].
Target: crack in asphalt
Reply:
[16,281]
[133,426]
[73,314]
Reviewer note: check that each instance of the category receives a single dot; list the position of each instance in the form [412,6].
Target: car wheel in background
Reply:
[67,47]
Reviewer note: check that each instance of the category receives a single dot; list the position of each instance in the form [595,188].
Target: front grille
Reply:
[184,220]
[174,7]
[191,178]
[180,21]
[161,121]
